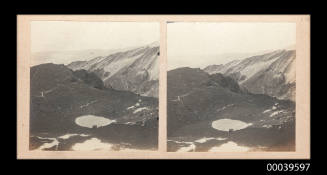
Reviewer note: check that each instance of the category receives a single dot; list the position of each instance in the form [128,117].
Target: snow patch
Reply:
[268,110]
[92,144]
[229,147]
[140,109]
[67,136]
[267,126]
[131,107]
[205,139]
[54,142]
[137,104]
[276,113]
[189,148]
[274,107]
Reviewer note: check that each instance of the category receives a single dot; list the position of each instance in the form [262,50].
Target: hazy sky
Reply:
[187,42]
[66,35]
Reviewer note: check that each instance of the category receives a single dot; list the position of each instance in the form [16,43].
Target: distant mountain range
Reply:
[272,73]
[135,70]
[66,57]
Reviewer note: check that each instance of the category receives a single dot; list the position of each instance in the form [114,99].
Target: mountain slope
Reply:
[196,99]
[135,70]
[59,96]
[272,74]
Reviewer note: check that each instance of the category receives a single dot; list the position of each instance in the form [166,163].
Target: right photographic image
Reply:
[231,86]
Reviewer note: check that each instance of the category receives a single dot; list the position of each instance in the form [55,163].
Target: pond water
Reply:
[90,121]
[227,124]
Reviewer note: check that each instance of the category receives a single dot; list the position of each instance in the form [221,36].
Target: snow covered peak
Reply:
[135,70]
[271,73]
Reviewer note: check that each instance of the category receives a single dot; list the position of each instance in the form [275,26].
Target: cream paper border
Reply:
[302,88]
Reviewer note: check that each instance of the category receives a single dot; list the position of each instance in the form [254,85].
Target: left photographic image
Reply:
[94,86]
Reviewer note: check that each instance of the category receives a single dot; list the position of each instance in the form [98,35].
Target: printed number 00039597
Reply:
[288,166]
